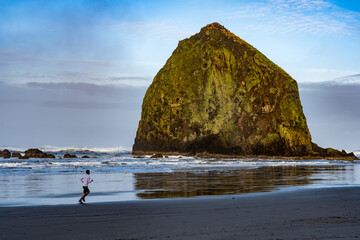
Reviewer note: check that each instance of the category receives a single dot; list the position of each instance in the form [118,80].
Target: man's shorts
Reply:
[86,189]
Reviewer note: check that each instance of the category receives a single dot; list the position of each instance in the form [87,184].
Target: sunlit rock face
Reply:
[218,94]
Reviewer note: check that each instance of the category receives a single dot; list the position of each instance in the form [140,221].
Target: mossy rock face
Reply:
[218,94]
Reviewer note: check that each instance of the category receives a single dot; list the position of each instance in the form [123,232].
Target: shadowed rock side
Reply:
[218,94]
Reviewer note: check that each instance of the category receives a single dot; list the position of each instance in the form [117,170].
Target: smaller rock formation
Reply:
[157,155]
[23,157]
[5,153]
[85,156]
[36,153]
[16,154]
[67,155]
[331,153]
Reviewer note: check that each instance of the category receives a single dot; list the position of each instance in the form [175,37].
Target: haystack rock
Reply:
[217,94]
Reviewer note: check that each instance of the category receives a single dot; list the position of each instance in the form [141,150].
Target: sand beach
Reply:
[312,213]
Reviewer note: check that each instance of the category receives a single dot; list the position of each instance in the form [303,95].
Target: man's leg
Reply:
[86,192]
[84,195]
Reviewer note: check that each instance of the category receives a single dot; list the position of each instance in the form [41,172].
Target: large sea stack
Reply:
[217,94]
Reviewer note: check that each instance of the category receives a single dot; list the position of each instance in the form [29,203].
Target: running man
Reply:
[86,180]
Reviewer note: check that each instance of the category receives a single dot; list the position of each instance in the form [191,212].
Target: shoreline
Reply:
[256,157]
[36,153]
[302,214]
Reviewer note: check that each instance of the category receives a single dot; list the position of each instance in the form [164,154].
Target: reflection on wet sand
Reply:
[224,182]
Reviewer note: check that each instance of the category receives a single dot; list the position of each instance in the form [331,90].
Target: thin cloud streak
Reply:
[86,88]
[351,79]
[68,78]
[150,30]
[84,105]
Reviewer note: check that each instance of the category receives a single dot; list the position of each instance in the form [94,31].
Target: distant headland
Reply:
[219,96]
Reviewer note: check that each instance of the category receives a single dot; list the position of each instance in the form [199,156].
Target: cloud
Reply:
[353,79]
[73,79]
[324,70]
[350,79]
[308,5]
[87,88]
[337,99]
[65,113]
[150,30]
[29,56]
[332,112]
[83,105]
[12,56]
[70,95]
[299,16]
[92,63]
[132,81]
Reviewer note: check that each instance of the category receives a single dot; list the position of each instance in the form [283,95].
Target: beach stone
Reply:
[157,155]
[217,94]
[5,153]
[36,153]
[67,155]
[16,154]
[85,156]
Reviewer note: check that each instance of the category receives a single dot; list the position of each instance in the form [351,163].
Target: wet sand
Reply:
[326,213]
[33,190]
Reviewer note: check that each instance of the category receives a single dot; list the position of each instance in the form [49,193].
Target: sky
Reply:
[74,73]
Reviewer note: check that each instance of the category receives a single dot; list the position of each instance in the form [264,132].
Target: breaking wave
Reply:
[71,149]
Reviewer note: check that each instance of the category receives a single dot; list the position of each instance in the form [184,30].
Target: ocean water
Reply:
[120,176]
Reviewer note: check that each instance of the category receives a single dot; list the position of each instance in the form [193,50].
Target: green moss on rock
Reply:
[218,94]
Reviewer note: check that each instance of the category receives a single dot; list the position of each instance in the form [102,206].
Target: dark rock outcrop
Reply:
[157,155]
[5,153]
[16,154]
[36,153]
[330,152]
[85,156]
[67,155]
[217,94]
